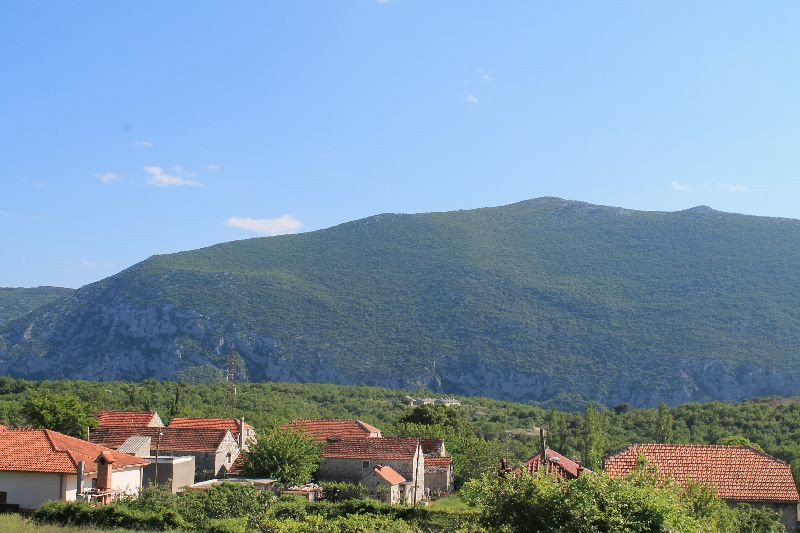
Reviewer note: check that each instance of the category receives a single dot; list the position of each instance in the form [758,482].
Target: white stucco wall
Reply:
[29,490]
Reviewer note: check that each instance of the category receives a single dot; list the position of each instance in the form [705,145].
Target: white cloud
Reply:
[728,187]
[158,178]
[678,186]
[486,75]
[144,144]
[35,184]
[282,225]
[88,263]
[108,177]
[213,168]
[470,99]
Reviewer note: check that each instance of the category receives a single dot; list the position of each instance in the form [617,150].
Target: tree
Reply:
[664,424]
[557,430]
[738,440]
[290,457]
[593,438]
[65,413]
[450,418]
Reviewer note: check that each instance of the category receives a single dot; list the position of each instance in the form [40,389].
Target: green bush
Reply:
[227,500]
[114,515]
[336,491]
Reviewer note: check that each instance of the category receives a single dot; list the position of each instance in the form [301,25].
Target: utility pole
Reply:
[158,450]
[230,384]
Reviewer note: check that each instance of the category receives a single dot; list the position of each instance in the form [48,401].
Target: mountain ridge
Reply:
[540,299]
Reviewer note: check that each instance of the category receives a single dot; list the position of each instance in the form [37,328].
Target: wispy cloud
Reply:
[675,186]
[282,225]
[383,1]
[143,144]
[34,184]
[485,75]
[213,168]
[88,263]
[471,99]
[108,177]
[159,178]
[730,187]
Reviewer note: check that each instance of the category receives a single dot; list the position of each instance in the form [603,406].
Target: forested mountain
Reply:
[543,299]
[18,301]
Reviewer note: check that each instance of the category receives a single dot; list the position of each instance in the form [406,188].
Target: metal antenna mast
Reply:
[230,383]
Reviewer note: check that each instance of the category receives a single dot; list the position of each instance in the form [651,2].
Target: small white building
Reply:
[38,465]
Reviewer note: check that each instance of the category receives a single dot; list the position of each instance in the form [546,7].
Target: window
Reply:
[3,498]
[94,482]
[364,464]
[228,457]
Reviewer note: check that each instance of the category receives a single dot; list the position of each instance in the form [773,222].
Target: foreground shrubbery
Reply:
[230,508]
[596,503]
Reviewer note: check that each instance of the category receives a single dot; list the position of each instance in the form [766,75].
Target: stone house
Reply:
[38,465]
[214,450]
[352,459]
[385,484]
[129,418]
[738,473]
[439,476]
[241,431]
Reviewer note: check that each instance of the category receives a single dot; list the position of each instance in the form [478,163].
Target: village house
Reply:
[385,484]
[439,476]
[738,473]
[129,418]
[214,450]
[553,463]
[241,431]
[354,460]
[323,428]
[38,465]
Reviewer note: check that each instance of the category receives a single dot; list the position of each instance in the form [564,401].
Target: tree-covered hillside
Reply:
[18,301]
[538,300]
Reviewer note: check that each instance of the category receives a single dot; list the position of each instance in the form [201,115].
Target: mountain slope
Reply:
[539,299]
[18,301]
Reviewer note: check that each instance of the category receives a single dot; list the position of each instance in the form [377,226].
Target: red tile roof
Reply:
[322,428]
[172,439]
[438,462]
[564,468]
[2,427]
[42,450]
[374,449]
[237,468]
[431,446]
[389,474]
[125,418]
[739,473]
[231,424]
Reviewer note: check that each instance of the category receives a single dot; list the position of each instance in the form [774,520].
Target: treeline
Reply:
[477,434]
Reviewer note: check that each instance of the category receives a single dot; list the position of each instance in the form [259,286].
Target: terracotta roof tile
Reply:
[237,468]
[2,427]
[126,418]
[322,428]
[389,474]
[739,473]
[564,468]
[172,439]
[374,449]
[41,450]
[431,446]
[438,462]
[231,424]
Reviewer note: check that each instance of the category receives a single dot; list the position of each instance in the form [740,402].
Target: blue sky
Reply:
[130,129]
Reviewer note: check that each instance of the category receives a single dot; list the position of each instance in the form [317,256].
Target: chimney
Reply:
[104,465]
[241,433]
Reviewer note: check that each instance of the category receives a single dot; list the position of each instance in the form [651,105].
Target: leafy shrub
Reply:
[227,500]
[114,515]
[336,491]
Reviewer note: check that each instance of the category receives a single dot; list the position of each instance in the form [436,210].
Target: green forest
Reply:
[478,433]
